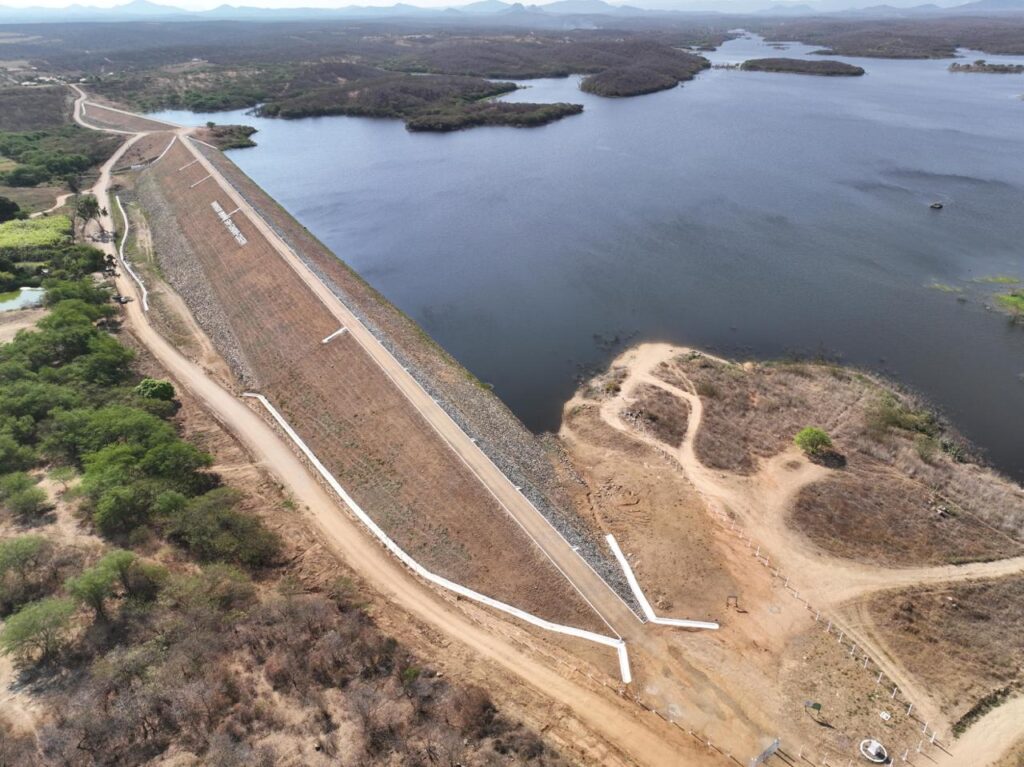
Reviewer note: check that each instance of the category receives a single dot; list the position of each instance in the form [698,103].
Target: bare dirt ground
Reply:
[975,628]
[804,660]
[352,417]
[20,319]
[1003,730]
[147,148]
[735,678]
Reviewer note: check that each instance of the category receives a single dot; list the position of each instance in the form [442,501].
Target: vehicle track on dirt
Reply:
[763,499]
[761,502]
[632,735]
[602,598]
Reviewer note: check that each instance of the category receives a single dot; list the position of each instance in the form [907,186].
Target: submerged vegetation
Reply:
[1014,303]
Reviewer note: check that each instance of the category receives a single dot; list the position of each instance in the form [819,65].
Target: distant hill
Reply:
[780,9]
[991,6]
[498,10]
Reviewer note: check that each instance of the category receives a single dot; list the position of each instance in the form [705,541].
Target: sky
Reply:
[200,5]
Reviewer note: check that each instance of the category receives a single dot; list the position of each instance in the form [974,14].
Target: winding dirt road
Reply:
[616,614]
[631,735]
[762,502]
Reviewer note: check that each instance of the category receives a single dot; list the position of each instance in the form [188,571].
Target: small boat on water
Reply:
[936,206]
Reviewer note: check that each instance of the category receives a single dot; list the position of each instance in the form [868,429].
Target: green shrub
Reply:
[155,388]
[890,413]
[13,483]
[926,447]
[34,232]
[20,554]
[28,503]
[212,530]
[813,440]
[40,627]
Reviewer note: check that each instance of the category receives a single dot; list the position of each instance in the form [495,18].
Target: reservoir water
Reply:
[752,214]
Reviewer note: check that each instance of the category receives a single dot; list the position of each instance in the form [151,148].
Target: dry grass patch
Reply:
[753,412]
[659,413]
[904,463]
[875,515]
[962,641]
[815,667]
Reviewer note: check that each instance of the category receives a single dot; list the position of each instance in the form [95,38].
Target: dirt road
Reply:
[616,614]
[634,736]
[762,501]
[21,319]
[764,498]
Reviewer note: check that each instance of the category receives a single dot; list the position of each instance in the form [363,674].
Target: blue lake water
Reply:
[752,214]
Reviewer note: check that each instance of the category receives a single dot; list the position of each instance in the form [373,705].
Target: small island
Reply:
[803,67]
[983,66]
[509,114]
[227,136]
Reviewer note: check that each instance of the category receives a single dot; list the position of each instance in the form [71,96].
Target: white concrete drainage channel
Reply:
[618,644]
[644,604]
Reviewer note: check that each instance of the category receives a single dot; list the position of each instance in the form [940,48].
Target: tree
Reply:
[87,208]
[155,388]
[813,441]
[213,531]
[38,627]
[122,509]
[19,555]
[93,587]
[28,503]
[120,563]
[176,461]
[8,209]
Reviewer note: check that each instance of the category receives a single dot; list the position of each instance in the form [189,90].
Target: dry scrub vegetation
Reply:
[975,629]
[912,491]
[658,412]
[220,665]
